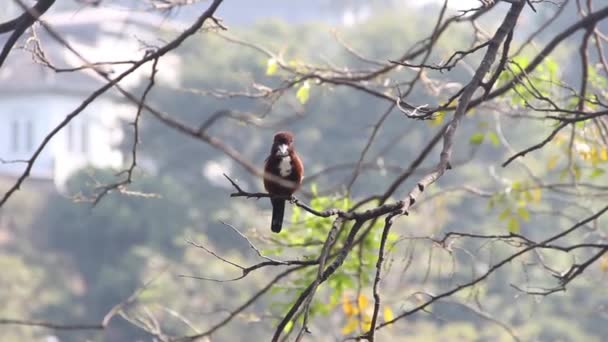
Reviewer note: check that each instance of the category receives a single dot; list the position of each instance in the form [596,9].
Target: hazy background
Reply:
[63,260]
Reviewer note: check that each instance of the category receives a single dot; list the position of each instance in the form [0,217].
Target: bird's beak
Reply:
[282,150]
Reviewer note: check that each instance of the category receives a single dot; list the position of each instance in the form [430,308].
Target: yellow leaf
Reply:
[350,326]
[348,307]
[604,154]
[438,119]
[527,197]
[388,314]
[367,322]
[537,194]
[303,92]
[552,163]
[604,263]
[594,156]
[583,150]
[272,66]
[363,302]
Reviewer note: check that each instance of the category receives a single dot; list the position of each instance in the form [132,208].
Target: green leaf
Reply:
[552,162]
[272,66]
[314,189]
[296,214]
[522,61]
[345,203]
[563,173]
[482,124]
[552,67]
[577,171]
[516,185]
[304,92]
[513,225]
[493,138]
[523,213]
[477,138]
[597,172]
[504,214]
[438,119]
[288,326]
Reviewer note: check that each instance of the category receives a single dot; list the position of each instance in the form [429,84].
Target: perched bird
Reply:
[283,173]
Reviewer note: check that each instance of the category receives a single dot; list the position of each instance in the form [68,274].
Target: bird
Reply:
[283,174]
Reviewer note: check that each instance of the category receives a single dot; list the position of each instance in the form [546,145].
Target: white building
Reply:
[27,118]
[35,99]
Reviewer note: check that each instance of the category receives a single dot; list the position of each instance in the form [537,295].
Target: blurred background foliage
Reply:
[72,262]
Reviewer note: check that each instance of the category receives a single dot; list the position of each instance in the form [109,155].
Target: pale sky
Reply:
[453,4]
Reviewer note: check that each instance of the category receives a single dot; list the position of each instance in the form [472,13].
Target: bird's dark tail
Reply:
[278,210]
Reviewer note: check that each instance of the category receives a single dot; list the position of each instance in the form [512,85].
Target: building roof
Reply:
[100,34]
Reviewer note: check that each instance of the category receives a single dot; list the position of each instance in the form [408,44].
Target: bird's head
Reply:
[282,144]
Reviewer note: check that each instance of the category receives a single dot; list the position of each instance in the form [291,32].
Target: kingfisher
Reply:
[283,173]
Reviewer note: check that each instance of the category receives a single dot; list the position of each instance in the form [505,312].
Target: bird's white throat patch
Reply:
[285,166]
